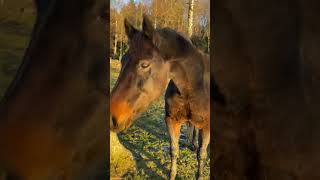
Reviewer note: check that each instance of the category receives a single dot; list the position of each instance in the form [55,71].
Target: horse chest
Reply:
[181,108]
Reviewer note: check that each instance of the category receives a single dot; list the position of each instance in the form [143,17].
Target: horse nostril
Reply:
[114,121]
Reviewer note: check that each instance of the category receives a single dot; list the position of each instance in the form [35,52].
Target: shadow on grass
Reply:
[154,131]
[142,165]
[148,141]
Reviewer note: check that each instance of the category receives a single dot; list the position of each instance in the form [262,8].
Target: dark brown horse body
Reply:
[266,66]
[53,116]
[157,61]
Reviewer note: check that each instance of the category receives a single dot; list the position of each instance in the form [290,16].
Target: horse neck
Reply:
[188,74]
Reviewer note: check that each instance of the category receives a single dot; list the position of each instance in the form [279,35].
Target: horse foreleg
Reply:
[195,141]
[174,131]
[204,140]
[192,137]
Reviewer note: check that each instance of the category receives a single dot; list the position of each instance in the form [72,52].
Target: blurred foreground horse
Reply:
[266,67]
[53,115]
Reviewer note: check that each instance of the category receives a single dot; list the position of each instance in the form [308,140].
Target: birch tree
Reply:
[190,18]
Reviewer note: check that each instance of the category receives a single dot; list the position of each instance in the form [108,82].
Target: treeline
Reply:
[189,17]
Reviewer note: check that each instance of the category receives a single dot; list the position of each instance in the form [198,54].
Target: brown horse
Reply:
[267,69]
[53,116]
[192,133]
[160,60]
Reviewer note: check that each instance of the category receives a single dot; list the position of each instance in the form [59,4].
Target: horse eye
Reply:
[145,65]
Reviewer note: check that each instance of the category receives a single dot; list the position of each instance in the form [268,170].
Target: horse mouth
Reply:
[117,128]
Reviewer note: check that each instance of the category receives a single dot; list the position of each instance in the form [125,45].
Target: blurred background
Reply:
[16,21]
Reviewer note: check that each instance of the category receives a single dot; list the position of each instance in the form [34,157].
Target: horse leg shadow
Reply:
[141,164]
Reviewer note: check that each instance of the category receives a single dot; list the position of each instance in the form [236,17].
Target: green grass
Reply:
[148,141]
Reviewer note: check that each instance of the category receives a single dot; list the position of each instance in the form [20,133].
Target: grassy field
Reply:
[148,141]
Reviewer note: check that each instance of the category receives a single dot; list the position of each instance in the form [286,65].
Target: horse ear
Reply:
[147,26]
[130,30]
[161,44]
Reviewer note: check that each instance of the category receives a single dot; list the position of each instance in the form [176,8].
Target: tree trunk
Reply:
[121,50]
[141,14]
[115,42]
[190,18]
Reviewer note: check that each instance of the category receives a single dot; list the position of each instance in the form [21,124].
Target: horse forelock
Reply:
[141,47]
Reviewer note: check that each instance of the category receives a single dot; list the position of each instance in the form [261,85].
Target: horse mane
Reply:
[172,44]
